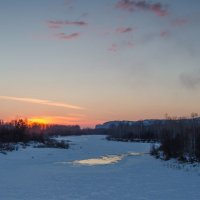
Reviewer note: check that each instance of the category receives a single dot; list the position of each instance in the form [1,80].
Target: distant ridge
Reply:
[146,122]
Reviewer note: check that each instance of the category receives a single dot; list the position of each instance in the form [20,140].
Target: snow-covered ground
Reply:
[93,168]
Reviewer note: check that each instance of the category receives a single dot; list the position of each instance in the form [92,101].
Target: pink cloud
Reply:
[64,36]
[132,5]
[124,30]
[158,9]
[60,23]
[113,48]
[164,33]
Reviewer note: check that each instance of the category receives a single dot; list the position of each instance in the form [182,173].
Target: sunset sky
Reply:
[90,61]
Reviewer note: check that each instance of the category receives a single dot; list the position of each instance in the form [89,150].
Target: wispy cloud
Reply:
[133,5]
[124,30]
[113,48]
[164,33]
[42,102]
[64,36]
[61,23]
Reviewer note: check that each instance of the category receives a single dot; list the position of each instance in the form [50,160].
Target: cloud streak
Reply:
[42,102]
[134,5]
[124,30]
[64,36]
[61,23]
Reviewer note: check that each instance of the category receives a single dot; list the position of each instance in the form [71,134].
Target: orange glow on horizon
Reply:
[41,121]
[60,120]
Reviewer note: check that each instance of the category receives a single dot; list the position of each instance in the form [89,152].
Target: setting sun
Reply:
[38,121]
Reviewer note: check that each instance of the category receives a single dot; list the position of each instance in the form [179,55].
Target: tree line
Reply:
[178,137]
[20,131]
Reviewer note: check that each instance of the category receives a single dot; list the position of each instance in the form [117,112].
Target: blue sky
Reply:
[117,59]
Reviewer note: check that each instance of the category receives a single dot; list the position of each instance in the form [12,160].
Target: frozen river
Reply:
[93,168]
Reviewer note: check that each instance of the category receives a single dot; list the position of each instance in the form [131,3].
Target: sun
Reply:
[40,121]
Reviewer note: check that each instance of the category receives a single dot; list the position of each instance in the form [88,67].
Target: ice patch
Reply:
[103,160]
[135,154]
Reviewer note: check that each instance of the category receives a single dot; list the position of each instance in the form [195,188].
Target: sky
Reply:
[87,62]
